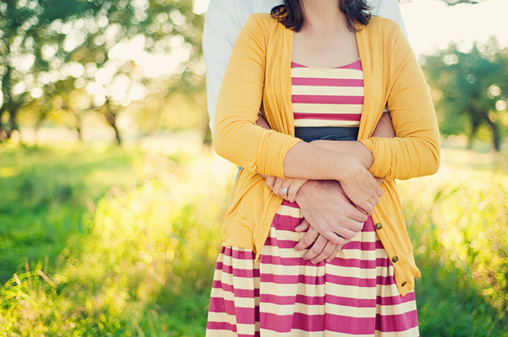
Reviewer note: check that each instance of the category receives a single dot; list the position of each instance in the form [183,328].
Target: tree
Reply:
[44,42]
[456,2]
[470,89]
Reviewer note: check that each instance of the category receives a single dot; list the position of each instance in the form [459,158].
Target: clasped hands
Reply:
[324,204]
[331,219]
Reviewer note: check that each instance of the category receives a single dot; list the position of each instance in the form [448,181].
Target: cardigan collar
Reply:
[370,114]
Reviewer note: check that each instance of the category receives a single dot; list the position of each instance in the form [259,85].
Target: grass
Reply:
[458,225]
[105,242]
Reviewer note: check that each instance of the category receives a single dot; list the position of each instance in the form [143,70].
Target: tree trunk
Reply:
[117,134]
[13,112]
[111,113]
[496,140]
[470,139]
[111,118]
[3,135]
[79,124]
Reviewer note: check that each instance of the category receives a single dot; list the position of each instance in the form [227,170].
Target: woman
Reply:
[329,69]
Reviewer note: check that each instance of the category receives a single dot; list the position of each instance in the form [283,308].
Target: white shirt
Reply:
[225,18]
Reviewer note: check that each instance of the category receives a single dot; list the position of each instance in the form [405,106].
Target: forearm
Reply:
[350,148]
[310,161]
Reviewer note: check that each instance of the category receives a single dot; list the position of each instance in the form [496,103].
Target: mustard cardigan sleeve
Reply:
[415,151]
[237,137]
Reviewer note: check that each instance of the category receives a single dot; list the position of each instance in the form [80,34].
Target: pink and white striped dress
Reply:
[282,294]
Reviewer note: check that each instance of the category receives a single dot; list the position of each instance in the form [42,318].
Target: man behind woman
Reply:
[327,68]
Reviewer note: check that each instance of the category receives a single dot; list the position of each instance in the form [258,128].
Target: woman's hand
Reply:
[285,188]
[360,186]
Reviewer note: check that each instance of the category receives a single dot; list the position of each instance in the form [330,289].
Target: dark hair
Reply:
[291,15]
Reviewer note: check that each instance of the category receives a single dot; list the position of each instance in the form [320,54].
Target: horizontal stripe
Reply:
[356,245]
[286,222]
[319,290]
[327,82]
[221,321]
[328,116]
[320,122]
[327,73]
[298,261]
[320,269]
[317,90]
[324,108]
[337,323]
[288,209]
[238,253]
[243,302]
[396,299]
[248,315]
[324,99]
[300,333]
[250,292]
[338,300]
[311,290]
[221,324]
[346,311]
[353,65]
[324,279]
[237,272]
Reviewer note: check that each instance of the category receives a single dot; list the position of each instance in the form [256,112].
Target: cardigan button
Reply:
[395,259]
[404,283]
[378,226]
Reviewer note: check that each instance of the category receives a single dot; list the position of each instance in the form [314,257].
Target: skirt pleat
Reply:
[282,294]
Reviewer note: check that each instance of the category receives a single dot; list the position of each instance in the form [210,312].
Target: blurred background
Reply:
[111,198]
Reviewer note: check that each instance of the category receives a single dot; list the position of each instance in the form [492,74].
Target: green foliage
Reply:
[457,221]
[145,261]
[46,192]
[142,261]
[470,89]
[457,2]
[57,59]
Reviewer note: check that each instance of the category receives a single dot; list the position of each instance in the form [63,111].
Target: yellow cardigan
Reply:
[259,76]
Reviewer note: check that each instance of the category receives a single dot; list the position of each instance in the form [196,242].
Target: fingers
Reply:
[316,249]
[322,250]
[334,253]
[307,240]
[303,226]
[276,186]
[270,180]
[327,253]
[368,207]
[291,195]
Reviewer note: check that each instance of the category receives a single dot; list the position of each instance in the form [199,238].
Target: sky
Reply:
[432,24]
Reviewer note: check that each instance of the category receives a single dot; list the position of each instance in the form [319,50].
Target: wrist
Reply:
[307,188]
[346,167]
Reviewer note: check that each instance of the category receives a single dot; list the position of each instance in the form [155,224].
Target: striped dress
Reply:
[282,294]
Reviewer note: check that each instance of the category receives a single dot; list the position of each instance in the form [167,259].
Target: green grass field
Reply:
[99,241]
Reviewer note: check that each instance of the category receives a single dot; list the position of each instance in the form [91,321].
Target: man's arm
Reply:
[326,207]
[388,9]
[222,26]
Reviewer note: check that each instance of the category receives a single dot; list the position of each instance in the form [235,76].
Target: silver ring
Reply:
[284,190]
